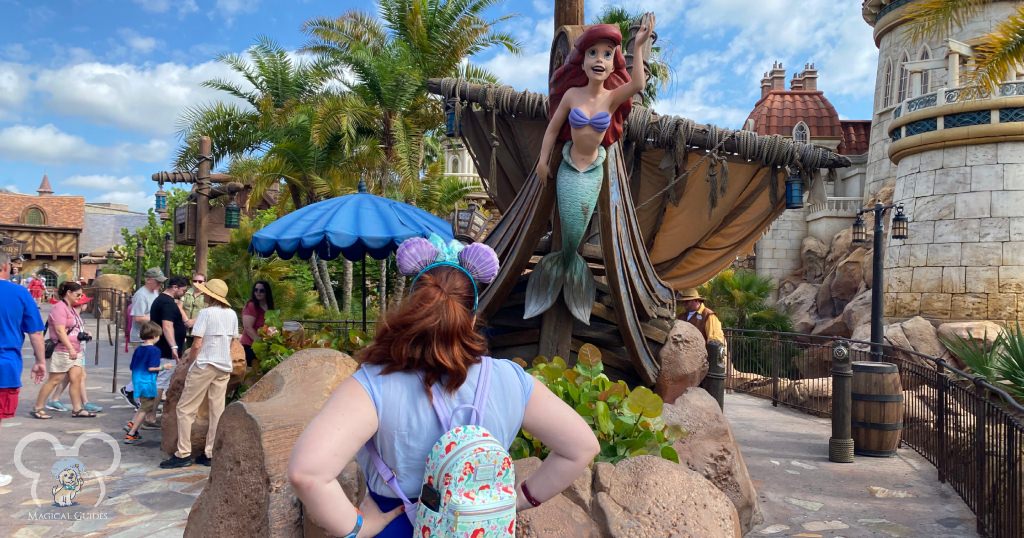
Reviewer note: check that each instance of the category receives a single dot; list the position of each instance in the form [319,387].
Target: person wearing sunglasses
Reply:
[253,313]
[191,303]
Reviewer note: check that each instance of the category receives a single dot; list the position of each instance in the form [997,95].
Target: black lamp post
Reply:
[899,231]
[140,251]
[168,247]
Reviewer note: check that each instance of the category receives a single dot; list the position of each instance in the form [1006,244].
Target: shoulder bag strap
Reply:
[389,477]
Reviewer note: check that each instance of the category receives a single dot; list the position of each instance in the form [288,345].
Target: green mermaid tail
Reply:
[566,270]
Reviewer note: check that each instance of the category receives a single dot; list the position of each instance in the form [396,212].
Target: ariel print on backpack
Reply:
[469,481]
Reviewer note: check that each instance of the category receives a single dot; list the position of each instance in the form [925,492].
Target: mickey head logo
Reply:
[67,454]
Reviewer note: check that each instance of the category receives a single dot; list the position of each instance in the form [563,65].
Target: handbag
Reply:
[49,344]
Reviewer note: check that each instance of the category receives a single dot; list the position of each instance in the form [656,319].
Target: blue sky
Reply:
[90,90]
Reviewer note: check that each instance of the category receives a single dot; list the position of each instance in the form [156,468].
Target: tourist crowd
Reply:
[172,322]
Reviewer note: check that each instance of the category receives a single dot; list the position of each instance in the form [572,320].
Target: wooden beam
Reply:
[568,13]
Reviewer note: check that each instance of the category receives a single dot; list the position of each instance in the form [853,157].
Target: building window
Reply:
[801,133]
[34,216]
[454,169]
[925,73]
[887,88]
[48,276]
[904,79]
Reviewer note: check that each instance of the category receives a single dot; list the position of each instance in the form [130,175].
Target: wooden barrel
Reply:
[877,408]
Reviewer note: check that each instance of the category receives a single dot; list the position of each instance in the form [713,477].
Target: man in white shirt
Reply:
[142,301]
[214,328]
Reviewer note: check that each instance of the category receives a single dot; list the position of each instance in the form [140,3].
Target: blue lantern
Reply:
[452,129]
[161,199]
[794,190]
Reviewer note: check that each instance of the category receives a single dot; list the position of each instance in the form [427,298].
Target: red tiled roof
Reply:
[856,135]
[780,111]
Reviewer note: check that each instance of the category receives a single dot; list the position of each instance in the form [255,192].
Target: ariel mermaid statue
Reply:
[592,90]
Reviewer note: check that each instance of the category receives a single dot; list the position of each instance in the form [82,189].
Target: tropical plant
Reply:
[1000,362]
[626,422]
[277,344]
[995,53]
[659,70]
[741,300]
[153,236]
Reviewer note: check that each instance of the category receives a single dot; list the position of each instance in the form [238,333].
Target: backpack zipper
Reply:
[452,457]
[481,513]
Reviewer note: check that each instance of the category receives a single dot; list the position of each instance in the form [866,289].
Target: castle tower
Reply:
[44,187]
[958,168]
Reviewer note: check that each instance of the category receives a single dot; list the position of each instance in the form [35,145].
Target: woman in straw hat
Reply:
[214,328]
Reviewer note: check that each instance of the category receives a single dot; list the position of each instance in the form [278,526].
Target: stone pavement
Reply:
[801,493]
[134,498]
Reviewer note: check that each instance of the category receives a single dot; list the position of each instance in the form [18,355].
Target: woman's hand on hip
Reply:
[374,520]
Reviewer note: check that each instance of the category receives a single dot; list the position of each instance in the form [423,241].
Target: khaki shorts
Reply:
[61,362]
[147,405]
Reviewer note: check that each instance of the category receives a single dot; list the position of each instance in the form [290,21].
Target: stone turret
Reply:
[44,187]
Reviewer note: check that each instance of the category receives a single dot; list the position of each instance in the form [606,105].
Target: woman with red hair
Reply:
[428,351]
[589,101]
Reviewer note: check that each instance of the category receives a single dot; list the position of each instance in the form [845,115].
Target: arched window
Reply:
[454,168]
[903,92]
[887,88]
[48,276]
[925,74]
[34,216]
[801,133]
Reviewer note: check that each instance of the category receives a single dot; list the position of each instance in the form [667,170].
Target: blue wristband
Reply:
[359,525]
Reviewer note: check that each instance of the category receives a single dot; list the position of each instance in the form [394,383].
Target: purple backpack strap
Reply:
[388,475]
[483,388]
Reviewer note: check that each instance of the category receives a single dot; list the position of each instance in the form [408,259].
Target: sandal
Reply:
[40,414]
[83,413]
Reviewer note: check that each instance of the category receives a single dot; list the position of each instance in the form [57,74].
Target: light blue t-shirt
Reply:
[408,426]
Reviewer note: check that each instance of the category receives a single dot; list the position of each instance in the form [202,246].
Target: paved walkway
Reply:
[134,499]
[801,493]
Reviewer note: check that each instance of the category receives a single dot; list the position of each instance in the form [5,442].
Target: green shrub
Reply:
[1000,363]
[626,422]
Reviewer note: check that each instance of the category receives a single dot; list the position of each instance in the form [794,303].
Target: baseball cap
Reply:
[155,273]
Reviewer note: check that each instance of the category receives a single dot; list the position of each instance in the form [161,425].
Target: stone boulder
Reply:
[813,253]
[922,336]
[974,330]
[849,278]
[823,303]
[637,497]
[858,311]
[801,306]
[248,493]
[711,450]
[814,361]
[841,245]
[832,327]
[104,302]
[169,422]
[684,361]
[862,333]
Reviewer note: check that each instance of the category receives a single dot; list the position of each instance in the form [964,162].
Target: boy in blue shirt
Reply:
[144,367]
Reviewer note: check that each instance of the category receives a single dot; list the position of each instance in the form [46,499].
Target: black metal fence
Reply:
[339,327]
[108,304]
[970,429]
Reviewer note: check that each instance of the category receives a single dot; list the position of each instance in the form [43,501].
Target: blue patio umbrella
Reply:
[353,226]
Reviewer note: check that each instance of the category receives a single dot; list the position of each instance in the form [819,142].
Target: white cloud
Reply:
[228,9]
[184,7]
[11,188]
[135,200]
[145,98]
[50,145]
[527,71]
[16,52]
[14,87]
[137,42]
[103,182]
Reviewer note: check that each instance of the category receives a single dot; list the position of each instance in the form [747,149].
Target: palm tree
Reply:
[995,53]
[741,300]
[660,71]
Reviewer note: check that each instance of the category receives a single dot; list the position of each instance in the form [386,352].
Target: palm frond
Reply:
[935,18]
[998,53]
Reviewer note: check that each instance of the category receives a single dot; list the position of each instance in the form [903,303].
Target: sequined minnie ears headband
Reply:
[478,261]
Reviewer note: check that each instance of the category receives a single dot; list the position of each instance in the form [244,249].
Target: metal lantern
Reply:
[900,224]
[794,191]
[860,232]
[161,199]
[468,224]
[232,215]
[452,129]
